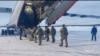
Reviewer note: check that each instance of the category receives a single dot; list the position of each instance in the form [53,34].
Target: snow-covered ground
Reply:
[80,44]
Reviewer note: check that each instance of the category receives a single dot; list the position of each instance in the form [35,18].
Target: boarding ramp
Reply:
[57,10]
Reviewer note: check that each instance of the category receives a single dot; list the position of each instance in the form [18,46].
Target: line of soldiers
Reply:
[39,34]
[94,33]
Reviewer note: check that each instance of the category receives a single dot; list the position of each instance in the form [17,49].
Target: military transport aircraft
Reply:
[29,13]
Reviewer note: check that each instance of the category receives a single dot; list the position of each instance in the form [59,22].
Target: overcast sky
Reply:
[81,7]
[5,17]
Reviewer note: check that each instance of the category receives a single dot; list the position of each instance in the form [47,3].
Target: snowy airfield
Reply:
[80,44]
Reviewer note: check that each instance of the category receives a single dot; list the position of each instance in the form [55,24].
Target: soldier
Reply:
[40,35]
[35,34]
[64,34]
[53,33]
[94,32]
[47,32]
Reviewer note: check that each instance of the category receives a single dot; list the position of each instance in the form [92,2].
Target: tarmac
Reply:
[79,45]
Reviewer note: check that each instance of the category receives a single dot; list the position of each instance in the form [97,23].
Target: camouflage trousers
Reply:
[47,36]
[40,39]
[53,38]
[64,37]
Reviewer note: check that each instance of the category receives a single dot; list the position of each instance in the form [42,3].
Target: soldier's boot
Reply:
[39,44]
[20,37]
[95,38]
[25,36]
[47,39]
[61,45]
[35,39]
[53,39]
[61,42]
[30,38]
[40,41]
[66,43]
[92,38]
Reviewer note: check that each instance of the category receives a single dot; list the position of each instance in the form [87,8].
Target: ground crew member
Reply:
[2,32]
[21,32]
[53,33]
[64,34]
[94,32]
[47,32]
[40,35]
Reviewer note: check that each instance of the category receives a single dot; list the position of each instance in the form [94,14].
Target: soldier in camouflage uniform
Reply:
[53,33]
[35,34]
[64,34]
[47,32]
[40,35]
